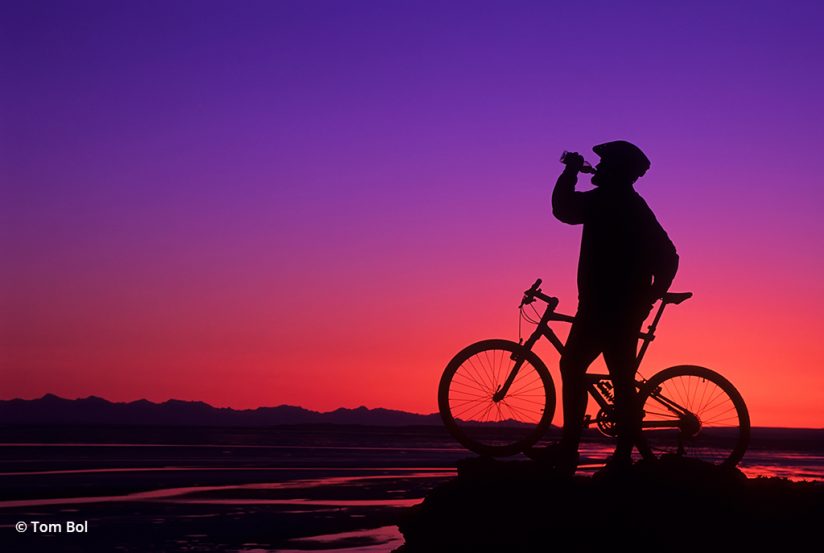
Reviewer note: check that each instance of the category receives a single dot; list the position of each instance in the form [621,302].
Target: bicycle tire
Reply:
[474,419]
[719,433]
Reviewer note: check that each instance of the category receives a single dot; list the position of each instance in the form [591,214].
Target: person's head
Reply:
[621,164]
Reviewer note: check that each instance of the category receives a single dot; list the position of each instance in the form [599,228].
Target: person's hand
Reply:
[574,161]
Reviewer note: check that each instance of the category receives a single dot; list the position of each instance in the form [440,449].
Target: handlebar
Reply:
[532,289]
[535,292]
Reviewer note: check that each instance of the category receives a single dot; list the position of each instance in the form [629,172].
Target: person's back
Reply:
[622,249]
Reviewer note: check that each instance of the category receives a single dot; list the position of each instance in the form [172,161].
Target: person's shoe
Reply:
[615,468]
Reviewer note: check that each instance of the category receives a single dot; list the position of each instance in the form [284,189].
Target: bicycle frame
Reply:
[595,383]
[544,330]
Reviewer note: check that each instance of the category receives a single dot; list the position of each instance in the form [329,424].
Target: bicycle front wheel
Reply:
[693,411]
[475,418]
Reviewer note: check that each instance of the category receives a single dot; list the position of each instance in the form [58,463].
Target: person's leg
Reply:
[620,352]
[581,349]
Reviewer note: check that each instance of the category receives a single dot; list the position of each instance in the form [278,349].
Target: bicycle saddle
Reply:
[676,297]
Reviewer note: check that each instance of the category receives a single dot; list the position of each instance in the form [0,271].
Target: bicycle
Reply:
[497,398]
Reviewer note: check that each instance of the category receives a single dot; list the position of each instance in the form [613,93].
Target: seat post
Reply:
[651,328]
[649,335]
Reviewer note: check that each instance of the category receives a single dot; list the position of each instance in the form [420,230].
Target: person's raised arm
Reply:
[569,206]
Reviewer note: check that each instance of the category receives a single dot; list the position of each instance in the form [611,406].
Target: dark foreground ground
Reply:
[669,505]
[349,489]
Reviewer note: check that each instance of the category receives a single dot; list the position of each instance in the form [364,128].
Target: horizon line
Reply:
[92,396]
[300,407]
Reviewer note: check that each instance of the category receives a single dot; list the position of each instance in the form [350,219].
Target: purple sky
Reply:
[271,176]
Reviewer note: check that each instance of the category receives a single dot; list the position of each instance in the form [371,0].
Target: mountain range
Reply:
[53,410]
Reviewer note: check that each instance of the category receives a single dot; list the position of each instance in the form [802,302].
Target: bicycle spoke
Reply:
[467,383]
[477,412]
[719,417]
[458,403]
[672,407]
[470,392]
[518,412]
[709,408]
[682,394]
[687,392]
[491,360]
[474,377]
[471,409]
[485,416]
[693,399]
[479,373]
[463,400]
[536,380]
[499,371]
[706,399]
[701,402]
[721,396]
[498,409]
[467,389]
[524,372]
[495,369]
[694,404]
[523,400]
[693,386]
[722,408]
[527,391]
[512,414]
[467,397]
[483,373]
[486,369]
[665,414]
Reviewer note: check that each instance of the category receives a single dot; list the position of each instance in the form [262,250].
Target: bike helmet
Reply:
[625,154]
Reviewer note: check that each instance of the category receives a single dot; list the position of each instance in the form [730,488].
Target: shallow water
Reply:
[373,540]
[331,493]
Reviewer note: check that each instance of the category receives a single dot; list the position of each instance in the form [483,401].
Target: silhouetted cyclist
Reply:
[627,262]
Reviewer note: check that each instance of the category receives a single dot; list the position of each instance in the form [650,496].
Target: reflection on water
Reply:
[784,464]
[373,540]
[204,469]
[291,491]
[791,465]
[205,494]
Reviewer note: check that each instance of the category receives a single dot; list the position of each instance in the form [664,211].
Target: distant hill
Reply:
[53,410]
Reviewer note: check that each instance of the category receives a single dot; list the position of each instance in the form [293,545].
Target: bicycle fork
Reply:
[503,389]
[519,357]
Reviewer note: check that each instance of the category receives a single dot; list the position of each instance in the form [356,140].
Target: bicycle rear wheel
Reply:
[693,411]
[475,419]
